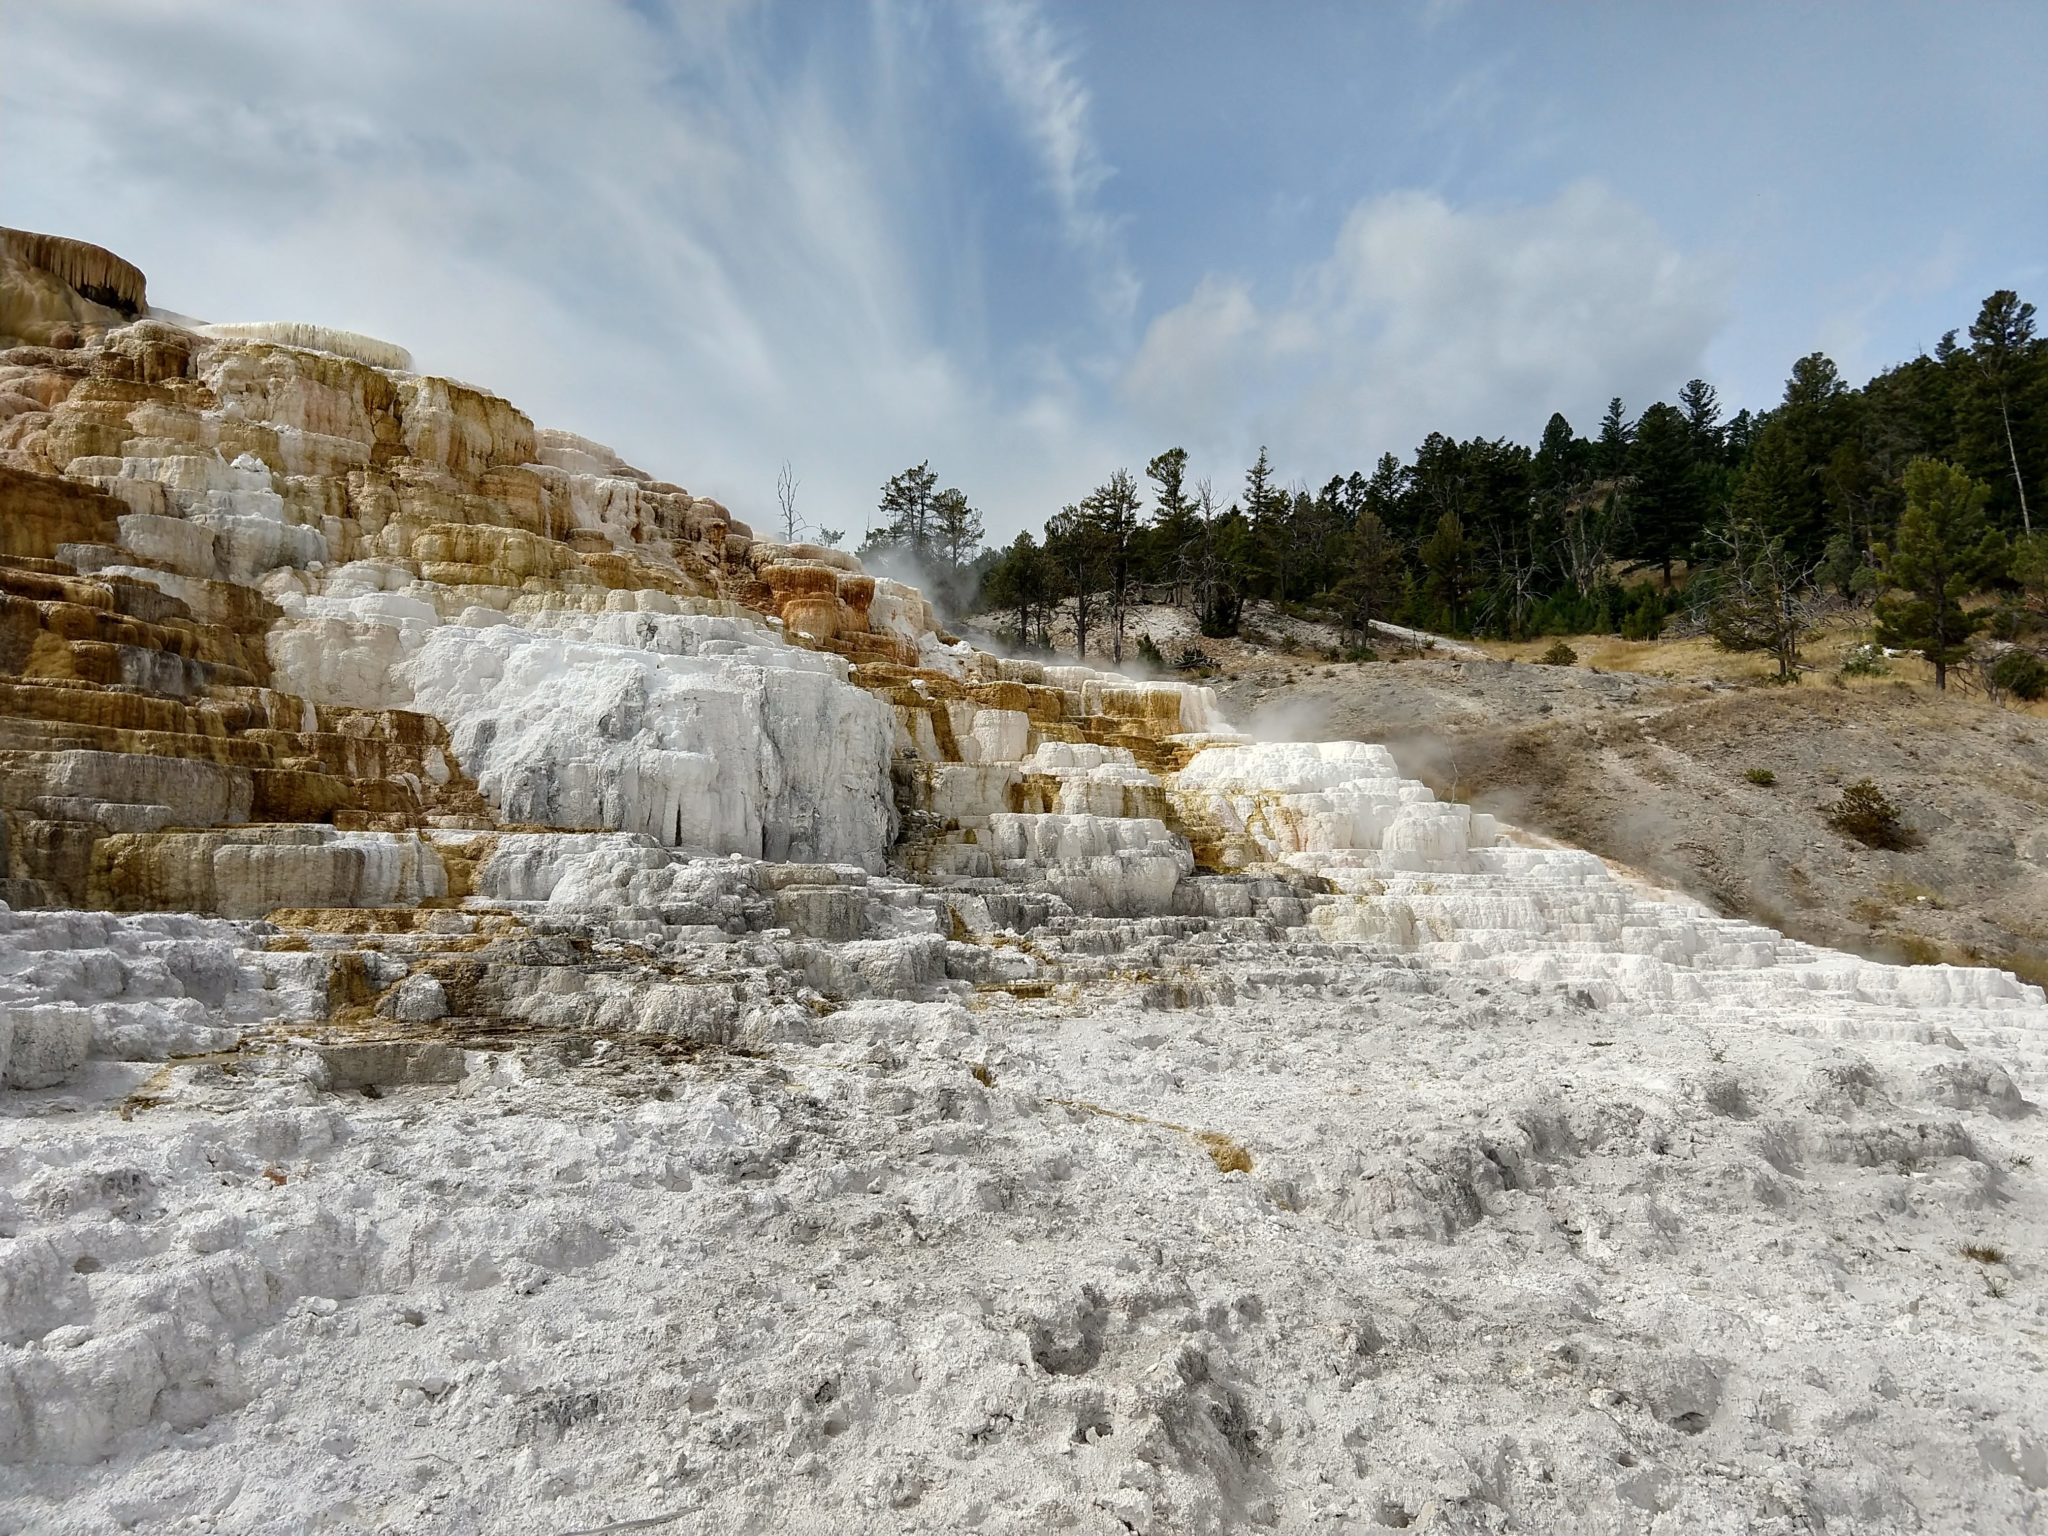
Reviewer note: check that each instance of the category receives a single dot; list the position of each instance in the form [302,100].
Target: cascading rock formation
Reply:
[525,1006]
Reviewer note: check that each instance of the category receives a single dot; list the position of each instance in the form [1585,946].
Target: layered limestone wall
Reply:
[276,521]
[289,626]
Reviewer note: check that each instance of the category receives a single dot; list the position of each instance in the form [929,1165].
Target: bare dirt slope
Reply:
[1653,772]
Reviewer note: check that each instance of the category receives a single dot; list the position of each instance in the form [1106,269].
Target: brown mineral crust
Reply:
[96,273]
[138,706]
[38,515]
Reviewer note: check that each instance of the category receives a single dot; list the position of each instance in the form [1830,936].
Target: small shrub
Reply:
[1866,813]
[1763,778]
[980,1073]
[2012,622]
[1361,653]
[1983,1253]
[2021,674]
[1915,949]
[1864,661]
[1559,655]
[1149,653]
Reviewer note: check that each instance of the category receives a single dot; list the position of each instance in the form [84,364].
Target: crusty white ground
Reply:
[1503,1262]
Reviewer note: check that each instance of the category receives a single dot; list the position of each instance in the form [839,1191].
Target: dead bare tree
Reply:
[1586,536]
[785,497]
[1764,599]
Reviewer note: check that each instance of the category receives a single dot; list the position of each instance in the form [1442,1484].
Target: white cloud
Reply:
[653,227]
[1425,317]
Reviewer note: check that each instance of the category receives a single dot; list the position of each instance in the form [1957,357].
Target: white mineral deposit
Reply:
[527,1007]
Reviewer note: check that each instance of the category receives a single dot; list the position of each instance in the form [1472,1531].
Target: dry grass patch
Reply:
[1229,1155]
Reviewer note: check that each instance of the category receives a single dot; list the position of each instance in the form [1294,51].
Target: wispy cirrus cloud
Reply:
[1036,69]
[676,230]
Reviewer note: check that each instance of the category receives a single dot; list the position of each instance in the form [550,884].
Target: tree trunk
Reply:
[2005,416]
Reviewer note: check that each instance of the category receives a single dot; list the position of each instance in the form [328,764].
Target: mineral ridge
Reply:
[525,1006]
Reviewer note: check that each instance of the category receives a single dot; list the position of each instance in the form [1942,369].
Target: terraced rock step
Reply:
[524,1006]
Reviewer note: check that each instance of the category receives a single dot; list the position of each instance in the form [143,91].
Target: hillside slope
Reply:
[1654,773]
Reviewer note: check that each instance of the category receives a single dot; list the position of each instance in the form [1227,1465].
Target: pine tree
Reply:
[1111,512]
[1386,496]
[1769,493]
[1373,578]
[1072,550]
[907,508]
[1815,416]
[1447,557]
[1944,551]
[1019,580]
[955,530]
[1560,459]
[1174,524]
[1701,408]
[1667,502]
[1741,433]
[2029,568]
[1266,506]
[2007,360]
[1617,435]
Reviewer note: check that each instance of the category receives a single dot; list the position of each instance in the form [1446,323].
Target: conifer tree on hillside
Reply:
[1174,524]
[1447,557]
[1020,580]
[1943,551]
[1617,436]
[1701,407]
[956,529]
[1111,513]
[1266,507]
[1386,495]
[955,540]
[908,504]
[2029,568]
[1373,578]
[1815,415]
[2009,370]
[1073,552]
[1667,503]
[1769,494]
[1737,436]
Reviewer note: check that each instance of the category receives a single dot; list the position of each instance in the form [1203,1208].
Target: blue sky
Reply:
[1034,241]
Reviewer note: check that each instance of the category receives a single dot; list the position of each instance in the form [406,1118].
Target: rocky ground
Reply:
[1372,1245]
[1654,772]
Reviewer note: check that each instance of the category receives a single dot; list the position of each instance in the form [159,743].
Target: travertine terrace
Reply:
[525,1006]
